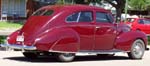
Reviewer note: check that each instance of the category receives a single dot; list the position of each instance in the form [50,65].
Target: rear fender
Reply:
[124,41]
[59,40]
[11,39]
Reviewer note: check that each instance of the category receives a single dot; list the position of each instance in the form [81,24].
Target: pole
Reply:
[64,2]
[126,10]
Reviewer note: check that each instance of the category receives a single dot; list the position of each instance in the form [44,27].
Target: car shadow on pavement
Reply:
[77,59]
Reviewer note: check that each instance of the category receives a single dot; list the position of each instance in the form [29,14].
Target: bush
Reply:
[2,39]
[148,40]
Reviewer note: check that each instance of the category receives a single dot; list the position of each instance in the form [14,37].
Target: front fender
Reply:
[124,41]
[58,39]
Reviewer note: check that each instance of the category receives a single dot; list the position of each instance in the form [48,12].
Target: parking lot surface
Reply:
[13,58]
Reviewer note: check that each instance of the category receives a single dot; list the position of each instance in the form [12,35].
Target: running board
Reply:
[102,51]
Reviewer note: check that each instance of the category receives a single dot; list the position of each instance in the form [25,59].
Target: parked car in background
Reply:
[139,24]
[66,30]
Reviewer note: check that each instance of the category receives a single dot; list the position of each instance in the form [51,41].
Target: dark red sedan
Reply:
[139,24]
[66,30]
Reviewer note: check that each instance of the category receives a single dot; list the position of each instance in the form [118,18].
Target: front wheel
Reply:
[65,57]
[137,50]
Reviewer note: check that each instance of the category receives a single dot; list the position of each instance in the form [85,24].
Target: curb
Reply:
[2,49]
[3,33]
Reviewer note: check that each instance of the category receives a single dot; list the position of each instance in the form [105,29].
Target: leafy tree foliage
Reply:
[119,5]
[139,5]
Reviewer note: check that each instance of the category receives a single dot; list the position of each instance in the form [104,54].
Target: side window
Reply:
[102,17]
[110,17]
[37,13]
[141,21]
[48,13]
[43,13]
[147,22]
[85,17]
[130,20]
[144,21]
[73,17]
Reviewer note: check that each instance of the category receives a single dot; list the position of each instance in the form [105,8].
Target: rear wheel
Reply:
[65,57]
[30,55]
[137,50]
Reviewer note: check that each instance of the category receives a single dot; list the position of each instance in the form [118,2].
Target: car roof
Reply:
[138,18]
[74,7]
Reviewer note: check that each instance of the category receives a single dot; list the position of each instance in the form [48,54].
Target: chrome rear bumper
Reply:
[20,47]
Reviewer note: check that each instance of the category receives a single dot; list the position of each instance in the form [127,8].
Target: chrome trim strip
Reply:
[103,51]
[21,47]
[61,51]
[94,52]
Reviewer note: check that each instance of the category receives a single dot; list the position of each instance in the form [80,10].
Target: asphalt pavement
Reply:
[15,58]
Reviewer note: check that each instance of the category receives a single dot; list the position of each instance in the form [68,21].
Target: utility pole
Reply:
[126,10]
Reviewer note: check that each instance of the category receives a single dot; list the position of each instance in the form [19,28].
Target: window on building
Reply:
[14,8]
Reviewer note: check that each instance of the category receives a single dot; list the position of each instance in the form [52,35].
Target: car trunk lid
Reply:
[34,25]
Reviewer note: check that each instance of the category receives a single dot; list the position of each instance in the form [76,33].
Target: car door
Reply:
[81,22]
[105,31]
[140,25]
[147,22]
[143,25]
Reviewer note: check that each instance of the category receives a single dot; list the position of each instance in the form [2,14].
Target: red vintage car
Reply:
[139,24]
[66,30]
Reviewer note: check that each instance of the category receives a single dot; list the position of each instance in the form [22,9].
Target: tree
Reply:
[138,5]
[148,8]
[119,5]
[86,2]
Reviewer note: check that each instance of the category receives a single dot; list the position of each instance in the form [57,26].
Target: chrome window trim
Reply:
[78,16]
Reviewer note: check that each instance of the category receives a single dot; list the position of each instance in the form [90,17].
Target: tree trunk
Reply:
[86,2]
[119,7]
[118,14]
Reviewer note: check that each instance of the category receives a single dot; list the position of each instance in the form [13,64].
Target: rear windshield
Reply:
[130,19]
[43,13]
[144,21]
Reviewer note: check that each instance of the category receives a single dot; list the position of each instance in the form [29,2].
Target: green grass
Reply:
[9,25]
[148,40]
[2,39]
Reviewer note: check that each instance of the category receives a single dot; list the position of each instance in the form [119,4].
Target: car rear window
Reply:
[144,21]
[43,13]
[130,19]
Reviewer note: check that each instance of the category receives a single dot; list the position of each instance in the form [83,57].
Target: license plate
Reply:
[20,38]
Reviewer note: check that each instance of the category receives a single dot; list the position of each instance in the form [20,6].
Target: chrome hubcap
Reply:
[68,55]
[138,49]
